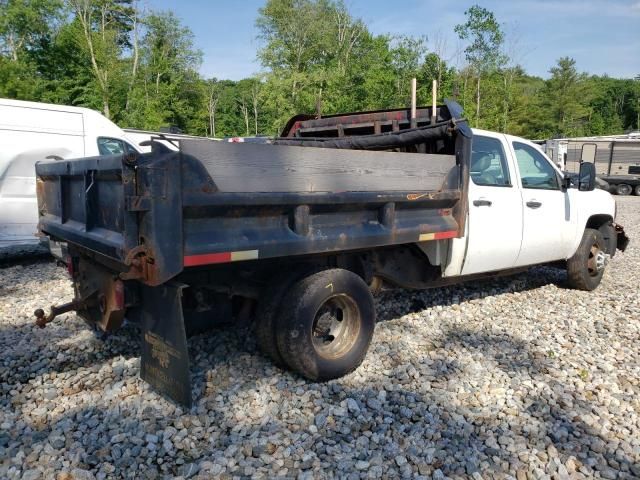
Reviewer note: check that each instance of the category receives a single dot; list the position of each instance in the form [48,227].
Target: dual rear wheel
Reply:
[317,323]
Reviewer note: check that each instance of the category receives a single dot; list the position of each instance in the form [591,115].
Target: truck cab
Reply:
[521,211]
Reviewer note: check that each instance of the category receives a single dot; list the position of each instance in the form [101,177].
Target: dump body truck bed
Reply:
[177,240]
[153,215]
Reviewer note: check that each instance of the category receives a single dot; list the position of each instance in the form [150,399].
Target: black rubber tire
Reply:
[295,331]
[610,238]
[578,273]
[623,189]
[268,310]
[637,190]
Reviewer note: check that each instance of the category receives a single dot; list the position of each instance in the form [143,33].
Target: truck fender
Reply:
[604,223]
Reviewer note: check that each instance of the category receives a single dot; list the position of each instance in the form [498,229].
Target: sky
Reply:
[602,36]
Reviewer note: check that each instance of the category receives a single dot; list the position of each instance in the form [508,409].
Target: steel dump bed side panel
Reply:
[258,168]
[276,200]
[349,223]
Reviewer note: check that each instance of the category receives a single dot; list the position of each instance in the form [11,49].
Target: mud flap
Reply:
[622,239]
[165,357]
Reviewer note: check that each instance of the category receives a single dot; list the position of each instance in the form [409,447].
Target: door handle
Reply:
[482,202]
[534,204]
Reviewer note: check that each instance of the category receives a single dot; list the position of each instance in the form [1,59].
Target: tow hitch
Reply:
[165,356]
[78,304]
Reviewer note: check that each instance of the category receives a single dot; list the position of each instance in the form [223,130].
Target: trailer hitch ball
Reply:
[40,320]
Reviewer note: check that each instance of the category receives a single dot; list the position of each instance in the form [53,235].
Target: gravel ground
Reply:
[510,378]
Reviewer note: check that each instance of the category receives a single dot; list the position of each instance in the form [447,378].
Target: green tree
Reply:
[26,29]
[310,50]
[407,57]
[484,52]
[435,68]
[168,88]
[24,24]
[565,99]
[103,31]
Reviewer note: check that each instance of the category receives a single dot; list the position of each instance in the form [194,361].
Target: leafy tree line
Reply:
[140,68]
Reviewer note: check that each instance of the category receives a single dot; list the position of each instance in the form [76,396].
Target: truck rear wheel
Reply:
[623,189]
[268,311]
[586,268]
[327,326]
[637,190]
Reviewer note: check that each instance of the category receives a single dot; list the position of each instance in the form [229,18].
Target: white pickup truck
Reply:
[306,225]
[522,212]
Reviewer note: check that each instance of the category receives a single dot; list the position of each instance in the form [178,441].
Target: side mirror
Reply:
[587,177]
[588,153]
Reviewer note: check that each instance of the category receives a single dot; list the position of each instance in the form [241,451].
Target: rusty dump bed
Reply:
[338,183]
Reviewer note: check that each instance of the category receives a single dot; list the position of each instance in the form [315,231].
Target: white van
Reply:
[30,132]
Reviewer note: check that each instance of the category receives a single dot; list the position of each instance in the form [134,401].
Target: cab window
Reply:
[113,146]
[488,162]
[535,170]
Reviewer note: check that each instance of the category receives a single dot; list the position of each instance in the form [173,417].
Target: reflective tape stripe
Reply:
[224,257]
[244,255]
[437,236]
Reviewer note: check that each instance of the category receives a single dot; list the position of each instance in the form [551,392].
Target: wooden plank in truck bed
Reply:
[249,168]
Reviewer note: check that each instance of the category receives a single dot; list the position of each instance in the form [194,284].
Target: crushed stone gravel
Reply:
[515,377]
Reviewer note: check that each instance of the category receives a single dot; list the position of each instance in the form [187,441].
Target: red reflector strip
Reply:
[207,258]
[437,235]
[450,234]
[224,257]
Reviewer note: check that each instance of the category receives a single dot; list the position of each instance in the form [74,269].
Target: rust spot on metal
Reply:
[142,266]
[40,193]
[134,252]
[209,187]
[131,158]
[418,196]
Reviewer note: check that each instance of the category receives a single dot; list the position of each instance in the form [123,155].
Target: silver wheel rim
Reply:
[336,326]
[596,261]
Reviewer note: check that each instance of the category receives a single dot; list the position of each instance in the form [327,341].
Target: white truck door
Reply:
[546,208]
[495,207]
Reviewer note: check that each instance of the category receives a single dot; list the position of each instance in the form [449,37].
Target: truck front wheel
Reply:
[325,329]
[586,267]
[637,190]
